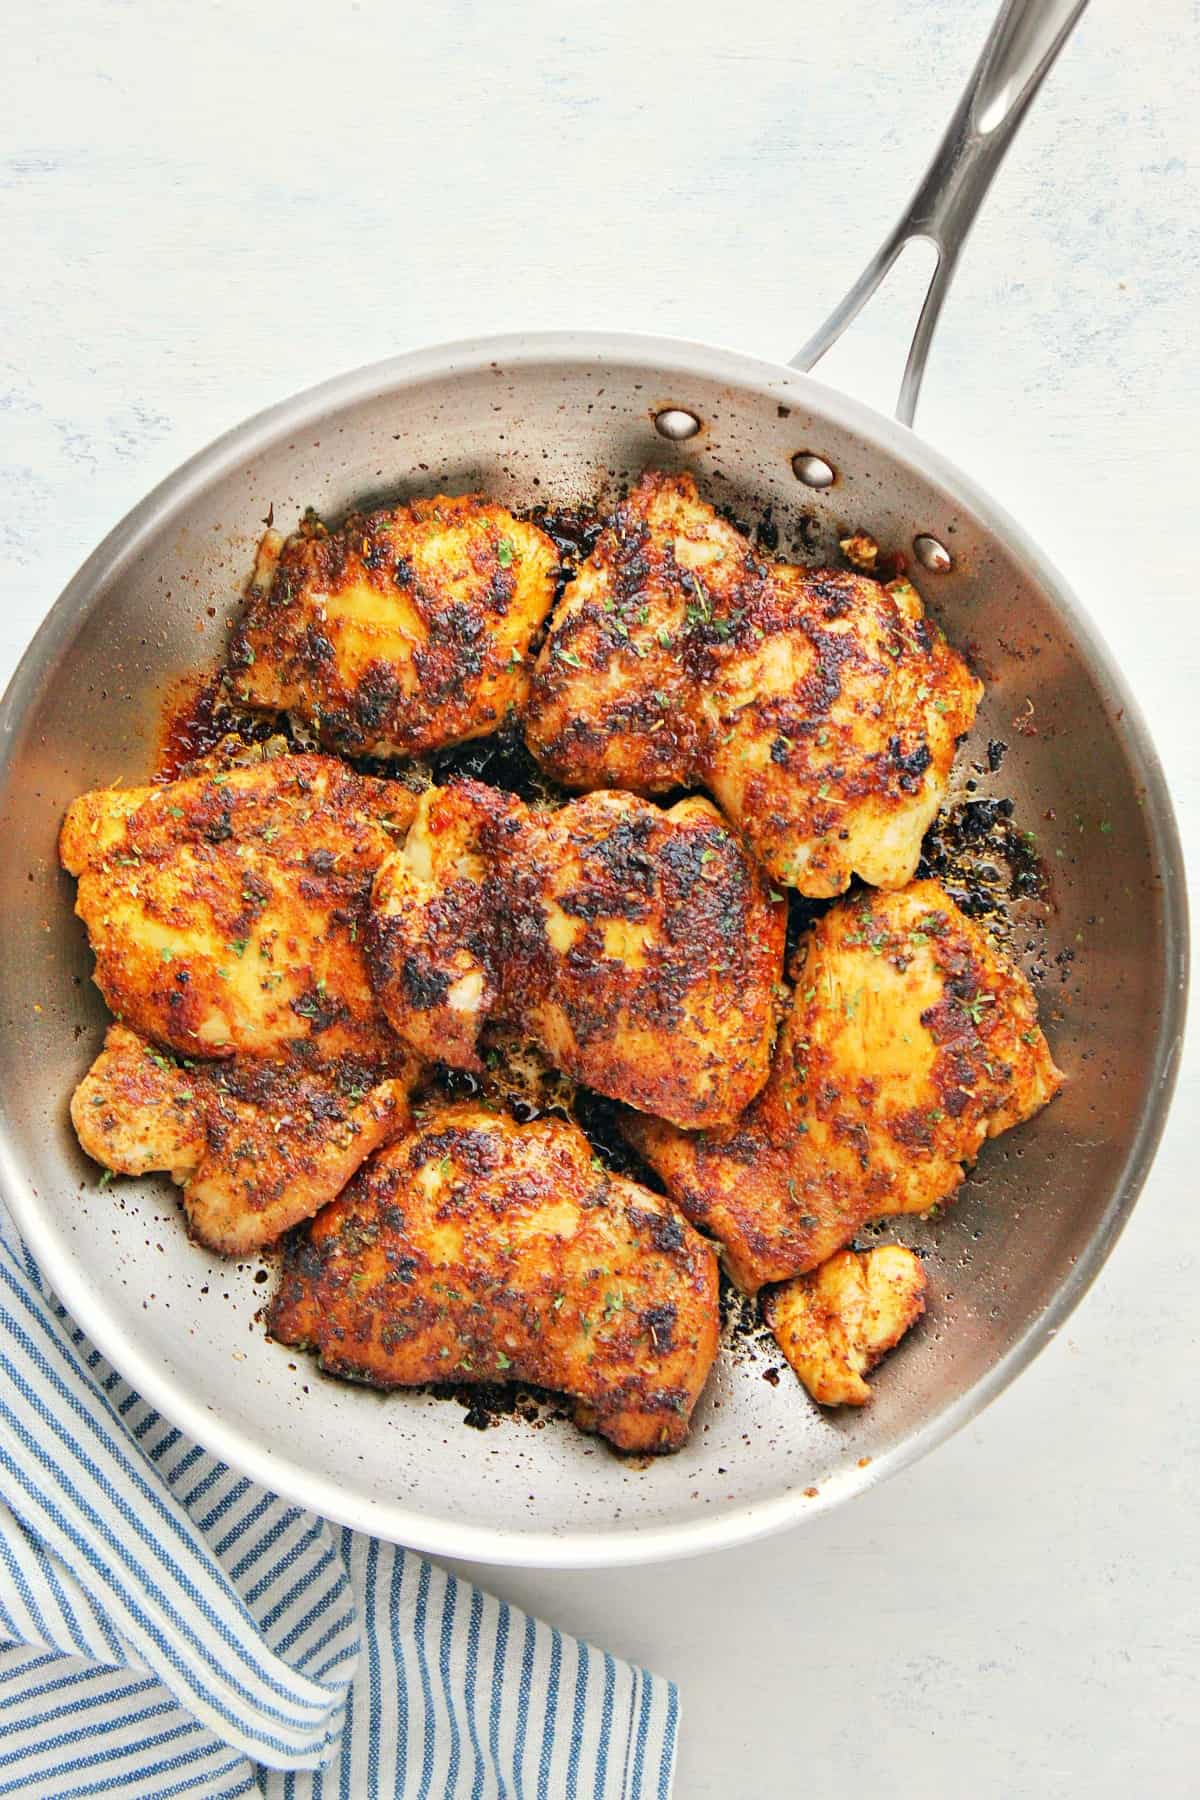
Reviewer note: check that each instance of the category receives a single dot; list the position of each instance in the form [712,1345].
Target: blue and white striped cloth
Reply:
[168,1628]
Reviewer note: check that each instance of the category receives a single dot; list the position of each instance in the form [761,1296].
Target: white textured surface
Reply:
[207,206]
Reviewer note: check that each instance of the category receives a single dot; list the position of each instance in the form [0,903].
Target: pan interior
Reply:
[555,422]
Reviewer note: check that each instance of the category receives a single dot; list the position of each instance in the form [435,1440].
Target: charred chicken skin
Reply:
[224,909]
[910,1040]
[477,1249]
[256,1143]
[406,630]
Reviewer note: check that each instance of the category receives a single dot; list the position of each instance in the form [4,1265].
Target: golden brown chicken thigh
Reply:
[821,708]
[612,702]
[406,630]
[640,949]
[476,1249]
[645,953]
[224,909]
[256,1144]
[910,1040]
[836,1323]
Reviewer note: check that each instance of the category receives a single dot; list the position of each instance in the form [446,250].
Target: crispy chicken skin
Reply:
[640,949]
[832,738]
[836,1323]
[645,953]
[909,1041]
[137,1111]
[256,1145]
[407,630]
[820,707]
[224,909]
[477,1249]
[613,697]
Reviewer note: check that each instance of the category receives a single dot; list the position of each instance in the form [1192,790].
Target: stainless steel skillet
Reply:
[552,418]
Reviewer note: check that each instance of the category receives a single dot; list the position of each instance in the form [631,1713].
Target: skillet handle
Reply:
[1021,47]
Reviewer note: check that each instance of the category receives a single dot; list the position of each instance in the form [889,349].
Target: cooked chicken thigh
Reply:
[256,1144]
[836,1323]
[224,909]
[407,630]
[820,707]
[137,1110]
[645,952]
[831,739]
[434,929]
[476,1249]
[910,1040]
[613,700]
[640,949]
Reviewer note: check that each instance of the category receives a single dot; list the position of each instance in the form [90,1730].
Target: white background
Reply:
[205,207]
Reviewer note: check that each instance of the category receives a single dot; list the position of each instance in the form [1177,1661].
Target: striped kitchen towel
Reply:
[169,1628]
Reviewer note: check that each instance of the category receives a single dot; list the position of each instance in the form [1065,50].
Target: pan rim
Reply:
[624,1545]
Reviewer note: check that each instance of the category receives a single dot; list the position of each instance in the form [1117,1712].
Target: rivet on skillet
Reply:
[931,554]
[813,470]
[673,422]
